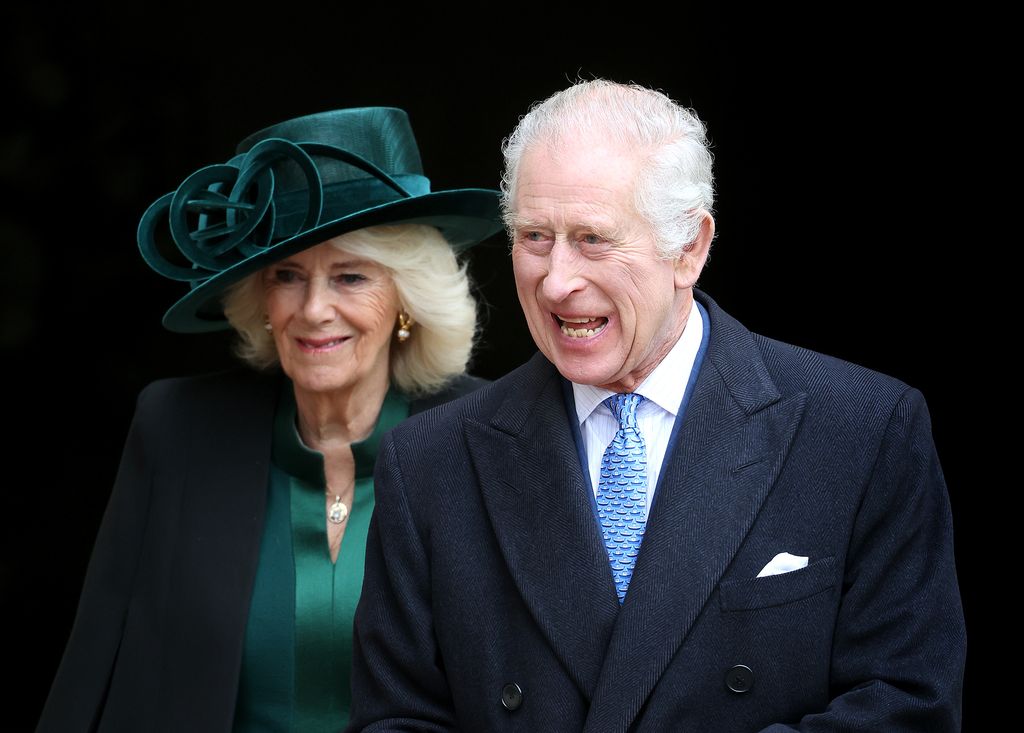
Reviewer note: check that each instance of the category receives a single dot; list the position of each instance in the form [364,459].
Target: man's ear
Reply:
[691,261]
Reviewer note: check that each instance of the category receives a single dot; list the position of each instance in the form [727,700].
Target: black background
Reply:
[840,218]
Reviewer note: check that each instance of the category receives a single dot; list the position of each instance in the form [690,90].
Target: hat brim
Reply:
[464,216]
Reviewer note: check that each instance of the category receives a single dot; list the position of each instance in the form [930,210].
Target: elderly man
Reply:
[662,521]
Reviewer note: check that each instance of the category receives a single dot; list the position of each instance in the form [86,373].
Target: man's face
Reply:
[600,303]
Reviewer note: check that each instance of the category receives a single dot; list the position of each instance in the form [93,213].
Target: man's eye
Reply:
[534,240]
[591,239]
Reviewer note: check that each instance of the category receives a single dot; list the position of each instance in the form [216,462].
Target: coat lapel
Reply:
[729,450]
[222,512]
[539,506]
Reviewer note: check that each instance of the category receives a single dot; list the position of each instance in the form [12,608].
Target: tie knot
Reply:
[624,406]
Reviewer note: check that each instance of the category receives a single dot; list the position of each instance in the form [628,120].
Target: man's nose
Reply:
[564,272]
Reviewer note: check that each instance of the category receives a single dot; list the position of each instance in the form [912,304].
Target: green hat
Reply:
[292,186]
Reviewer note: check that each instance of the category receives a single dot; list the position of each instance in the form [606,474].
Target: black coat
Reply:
[157,639]
[488,603]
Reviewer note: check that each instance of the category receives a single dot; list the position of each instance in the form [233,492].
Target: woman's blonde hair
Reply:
[433,288]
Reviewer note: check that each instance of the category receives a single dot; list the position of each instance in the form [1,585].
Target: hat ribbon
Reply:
[215,231]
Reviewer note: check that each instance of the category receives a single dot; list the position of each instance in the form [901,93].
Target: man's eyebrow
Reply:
[519,222]
[609,232]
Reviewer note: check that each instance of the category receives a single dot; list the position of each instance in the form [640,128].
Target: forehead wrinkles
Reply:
[579,208]
[585,179]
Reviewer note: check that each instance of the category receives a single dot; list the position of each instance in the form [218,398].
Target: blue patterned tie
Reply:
[622,490]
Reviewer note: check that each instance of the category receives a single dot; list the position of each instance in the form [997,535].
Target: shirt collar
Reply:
[665,385]
[290,454]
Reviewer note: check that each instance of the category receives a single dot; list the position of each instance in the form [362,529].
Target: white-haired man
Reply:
[662,521]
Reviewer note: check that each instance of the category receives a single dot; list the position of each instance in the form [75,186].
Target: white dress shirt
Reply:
[664,389]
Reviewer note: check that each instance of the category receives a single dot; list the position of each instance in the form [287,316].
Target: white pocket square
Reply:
[783,563]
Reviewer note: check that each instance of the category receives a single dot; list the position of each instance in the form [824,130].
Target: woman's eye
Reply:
[351,278]
[591,239]
[285,276]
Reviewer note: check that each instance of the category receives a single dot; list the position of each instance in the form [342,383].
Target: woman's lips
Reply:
[319,345]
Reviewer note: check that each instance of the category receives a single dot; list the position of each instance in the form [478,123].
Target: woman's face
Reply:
[333,315]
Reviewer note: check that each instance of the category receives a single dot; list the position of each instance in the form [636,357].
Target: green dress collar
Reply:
[326,593]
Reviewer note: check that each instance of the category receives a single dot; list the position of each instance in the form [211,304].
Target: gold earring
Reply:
[404,327]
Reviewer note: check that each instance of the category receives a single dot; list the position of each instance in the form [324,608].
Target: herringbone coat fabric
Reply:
[488,602]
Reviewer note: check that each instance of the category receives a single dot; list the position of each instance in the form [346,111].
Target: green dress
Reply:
[298,643]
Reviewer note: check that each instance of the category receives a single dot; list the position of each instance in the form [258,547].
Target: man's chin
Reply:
[582,375]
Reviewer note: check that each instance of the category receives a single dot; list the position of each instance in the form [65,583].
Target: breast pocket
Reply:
[777,590]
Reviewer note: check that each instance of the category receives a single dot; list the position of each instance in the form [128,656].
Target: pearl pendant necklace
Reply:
[338,512]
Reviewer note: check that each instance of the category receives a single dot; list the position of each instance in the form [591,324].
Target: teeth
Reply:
[581,332]
[577,320]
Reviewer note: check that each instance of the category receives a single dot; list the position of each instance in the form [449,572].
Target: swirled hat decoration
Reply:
[292,186]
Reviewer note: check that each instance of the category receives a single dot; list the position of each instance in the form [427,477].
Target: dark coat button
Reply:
[739,678]
[511,696]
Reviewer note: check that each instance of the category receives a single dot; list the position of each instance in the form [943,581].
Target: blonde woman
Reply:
[222,587]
